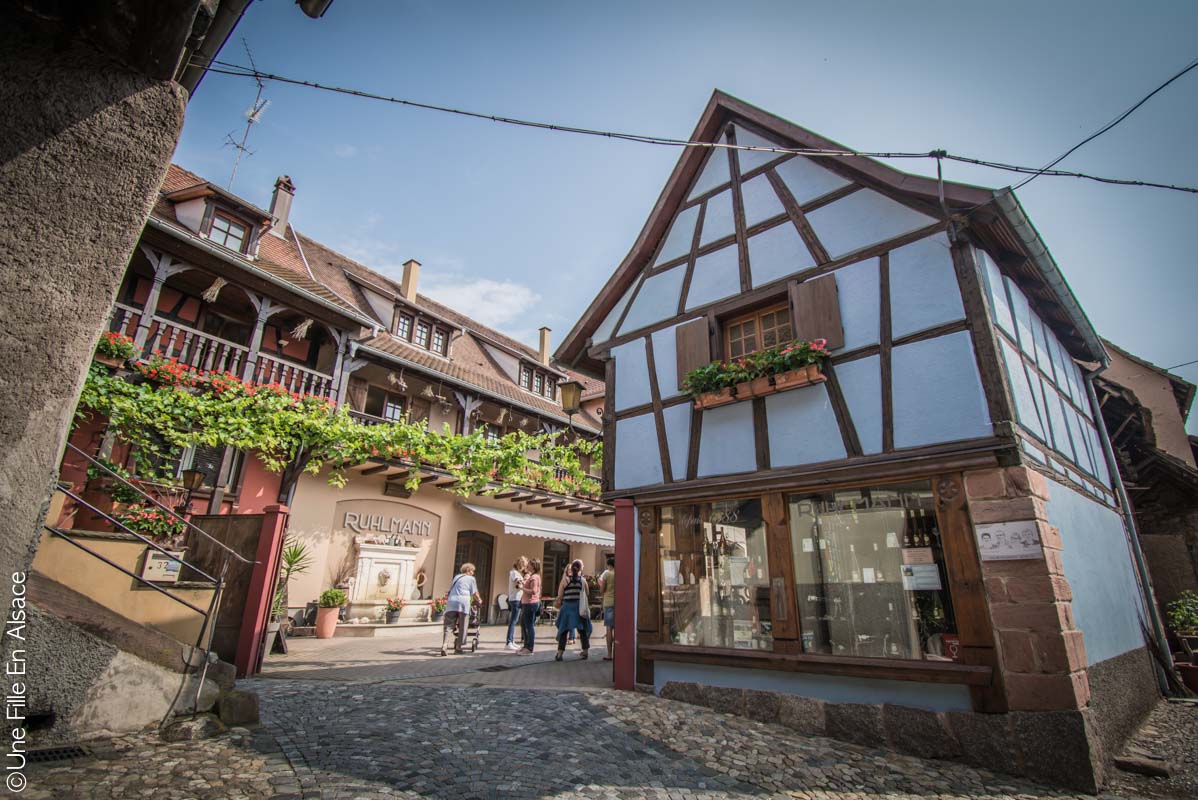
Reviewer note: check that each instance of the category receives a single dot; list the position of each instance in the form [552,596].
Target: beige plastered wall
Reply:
[312,522]
[63,562]
[1155,392]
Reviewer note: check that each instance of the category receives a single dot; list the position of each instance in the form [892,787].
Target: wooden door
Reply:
[553,566]
[477,548]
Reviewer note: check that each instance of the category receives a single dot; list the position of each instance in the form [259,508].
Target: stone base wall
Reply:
[1124,690]
[1054,747]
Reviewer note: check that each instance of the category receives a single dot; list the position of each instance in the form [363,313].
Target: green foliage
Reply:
[154,523]
[394,604]
[332,598]
[119,492]
[164,412]
[771,361]
[294,560]
[1182,614]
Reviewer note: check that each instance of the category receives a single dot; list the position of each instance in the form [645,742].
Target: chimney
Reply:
[545,346]
[280,205]
[411,275]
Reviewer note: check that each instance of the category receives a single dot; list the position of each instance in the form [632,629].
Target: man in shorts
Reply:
[607,586]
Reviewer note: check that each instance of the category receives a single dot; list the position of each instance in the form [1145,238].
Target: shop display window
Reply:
[715,575]
[870,575]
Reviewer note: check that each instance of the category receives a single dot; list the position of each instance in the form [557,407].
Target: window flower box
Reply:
[715,399]
[757,387]
[803,376]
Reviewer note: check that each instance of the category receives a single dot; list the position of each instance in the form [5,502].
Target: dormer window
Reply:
[403,327]
[526,378]
[439,341]
[422,334]
[538,383]
[229,232]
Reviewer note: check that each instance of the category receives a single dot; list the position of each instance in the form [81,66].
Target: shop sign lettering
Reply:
[381,523]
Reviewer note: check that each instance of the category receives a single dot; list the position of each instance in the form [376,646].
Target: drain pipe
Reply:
[1133,535]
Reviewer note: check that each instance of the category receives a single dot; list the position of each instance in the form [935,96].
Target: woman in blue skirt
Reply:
[574,611]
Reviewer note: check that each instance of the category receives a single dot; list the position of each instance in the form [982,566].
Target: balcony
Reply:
[205,353]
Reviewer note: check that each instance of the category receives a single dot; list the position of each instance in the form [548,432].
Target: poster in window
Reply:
[1008,541]
[921,577]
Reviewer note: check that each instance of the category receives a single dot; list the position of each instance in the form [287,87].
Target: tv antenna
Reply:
[253,114]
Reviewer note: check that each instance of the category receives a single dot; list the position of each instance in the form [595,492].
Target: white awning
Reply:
[561,530]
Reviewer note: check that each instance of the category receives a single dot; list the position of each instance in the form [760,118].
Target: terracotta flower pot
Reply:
[326,622]
[814,375]
[714,399]
[108,361]
[791,380]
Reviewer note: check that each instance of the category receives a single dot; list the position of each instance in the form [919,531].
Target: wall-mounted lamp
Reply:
[571,395]
[193,479]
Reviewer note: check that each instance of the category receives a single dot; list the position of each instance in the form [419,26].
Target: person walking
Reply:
[515,589]
[607,587]
[574,610]
[530,605]
[462,592]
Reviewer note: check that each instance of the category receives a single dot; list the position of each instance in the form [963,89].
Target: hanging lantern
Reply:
[397,380]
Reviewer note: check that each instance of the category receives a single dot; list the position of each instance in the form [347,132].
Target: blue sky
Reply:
[520,227]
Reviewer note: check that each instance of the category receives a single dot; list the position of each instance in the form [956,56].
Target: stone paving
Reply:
[387,718]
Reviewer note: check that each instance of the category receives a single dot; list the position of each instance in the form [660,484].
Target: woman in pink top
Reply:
[530,604]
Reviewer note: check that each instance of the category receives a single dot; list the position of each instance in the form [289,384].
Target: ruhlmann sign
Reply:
[385,518]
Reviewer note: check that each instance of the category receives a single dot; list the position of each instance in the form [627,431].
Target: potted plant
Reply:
[1182,616]
[114,349]
[294,560]
[394,607]
[438,607]
[710,385]
[797,364]
[330,603]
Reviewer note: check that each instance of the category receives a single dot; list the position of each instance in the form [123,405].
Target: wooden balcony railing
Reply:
[207,353]
[362,418]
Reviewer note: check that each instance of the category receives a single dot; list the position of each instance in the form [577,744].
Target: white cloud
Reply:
[493,303]
[345,151]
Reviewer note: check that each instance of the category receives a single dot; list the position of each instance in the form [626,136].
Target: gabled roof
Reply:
[995,216]
[1183,390]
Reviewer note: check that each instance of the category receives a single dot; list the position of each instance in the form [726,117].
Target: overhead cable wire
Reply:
[1107,127]
[237,70]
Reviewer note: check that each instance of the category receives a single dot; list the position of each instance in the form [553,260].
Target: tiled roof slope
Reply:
[319,269]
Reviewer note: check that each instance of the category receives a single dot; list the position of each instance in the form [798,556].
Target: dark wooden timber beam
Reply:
[536,501]
[375,470]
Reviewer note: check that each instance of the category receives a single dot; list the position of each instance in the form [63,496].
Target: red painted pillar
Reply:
[261,590]
[625,642]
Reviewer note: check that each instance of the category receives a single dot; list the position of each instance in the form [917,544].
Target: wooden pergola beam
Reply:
[375,470]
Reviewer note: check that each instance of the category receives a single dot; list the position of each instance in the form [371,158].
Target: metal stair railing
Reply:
[208,625]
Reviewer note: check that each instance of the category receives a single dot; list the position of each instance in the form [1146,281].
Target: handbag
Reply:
[584,602]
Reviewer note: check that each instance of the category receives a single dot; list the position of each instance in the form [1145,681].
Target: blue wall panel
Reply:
[861,384]
[857,285]
[678,435]
[638,460]
[1098,566]
[727,444]
[863,218]
[937,392]
[802,427]
[656,300]
[717,275]
[665,358]
[776,253]
[923,286]
[632,374]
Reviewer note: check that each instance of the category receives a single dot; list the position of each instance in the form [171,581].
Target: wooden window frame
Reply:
[442,347]
[538,383]
[231,219]
[777,305]
[422,341]
[525,379]
[404,324]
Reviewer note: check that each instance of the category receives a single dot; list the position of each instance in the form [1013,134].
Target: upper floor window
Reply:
[526,377]
[422,334]
[757,330]
[538,383]
[492,433]
[403,327]
[228,232]
[439,341]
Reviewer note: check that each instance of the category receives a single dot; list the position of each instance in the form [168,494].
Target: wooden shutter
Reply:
[694,346]
[815,305]
[357,393]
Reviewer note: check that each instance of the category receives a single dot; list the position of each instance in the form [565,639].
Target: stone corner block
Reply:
[982,484]
[1059,747]
[683,692]
[986,740]
[804,715]
[238,707]
[919,732]
[859,723]
[725,700]
[762,706]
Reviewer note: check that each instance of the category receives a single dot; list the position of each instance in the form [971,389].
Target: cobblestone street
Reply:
[382,718]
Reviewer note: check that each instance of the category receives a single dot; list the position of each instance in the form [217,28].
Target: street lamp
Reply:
[571,394]
[193,479]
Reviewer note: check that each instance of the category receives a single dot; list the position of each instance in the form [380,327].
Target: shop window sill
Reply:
[878,668]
